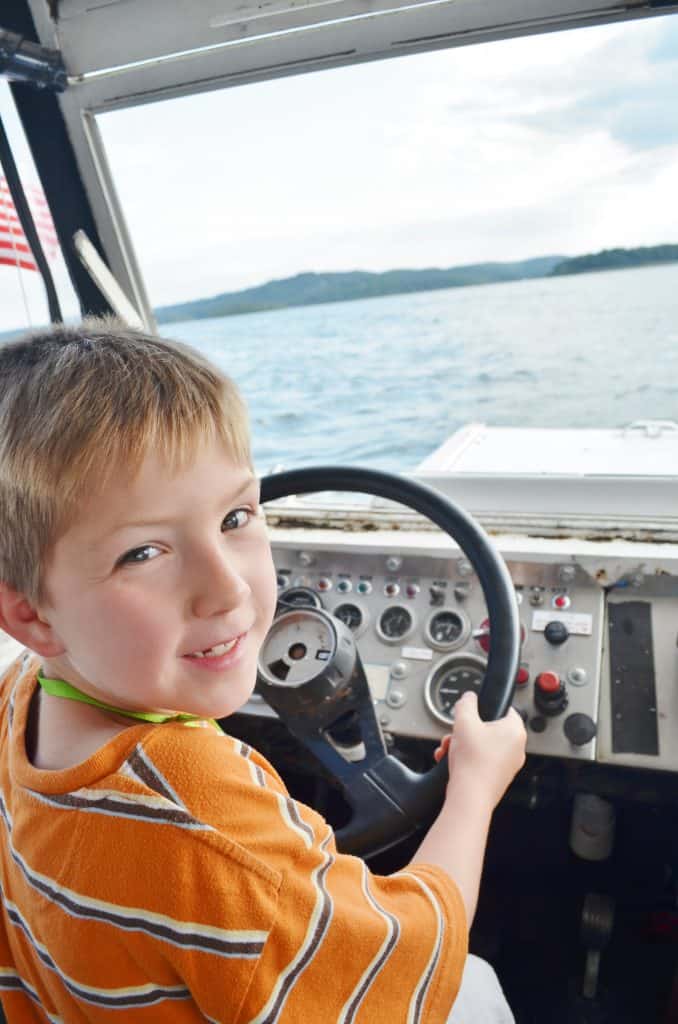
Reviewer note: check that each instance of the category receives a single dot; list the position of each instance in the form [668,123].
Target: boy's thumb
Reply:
[467,704]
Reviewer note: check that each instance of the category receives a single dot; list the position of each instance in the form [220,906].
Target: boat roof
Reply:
[120,52]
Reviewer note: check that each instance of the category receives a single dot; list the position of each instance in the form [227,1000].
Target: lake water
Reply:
[382,382]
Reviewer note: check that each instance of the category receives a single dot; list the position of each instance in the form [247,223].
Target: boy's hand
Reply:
[483,756]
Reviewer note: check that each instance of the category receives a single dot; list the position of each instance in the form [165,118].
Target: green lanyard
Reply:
[59,688]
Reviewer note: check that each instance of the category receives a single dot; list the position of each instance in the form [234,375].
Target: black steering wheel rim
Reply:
[496,691]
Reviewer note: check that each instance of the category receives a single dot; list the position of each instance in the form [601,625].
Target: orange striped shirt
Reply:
[170,877]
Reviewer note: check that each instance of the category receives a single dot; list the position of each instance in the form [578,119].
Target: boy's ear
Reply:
[21,619]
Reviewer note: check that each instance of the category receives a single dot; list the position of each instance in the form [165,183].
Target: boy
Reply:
[152,871]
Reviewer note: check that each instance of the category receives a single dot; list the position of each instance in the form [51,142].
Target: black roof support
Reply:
[23,210]
[56,165]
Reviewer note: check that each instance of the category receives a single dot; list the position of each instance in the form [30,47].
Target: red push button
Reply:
[484,638]
[561,601]
[548,682]
[482,635]
[523,676]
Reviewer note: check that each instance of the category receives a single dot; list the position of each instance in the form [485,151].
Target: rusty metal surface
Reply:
[361,520]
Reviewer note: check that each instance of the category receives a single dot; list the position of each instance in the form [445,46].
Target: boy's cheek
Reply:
[272,592]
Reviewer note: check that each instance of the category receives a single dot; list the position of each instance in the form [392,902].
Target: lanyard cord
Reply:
[59,688]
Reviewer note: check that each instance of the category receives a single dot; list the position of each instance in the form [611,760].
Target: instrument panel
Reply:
[421,627]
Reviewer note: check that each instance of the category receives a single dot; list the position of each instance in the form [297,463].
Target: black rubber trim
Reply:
[633,696]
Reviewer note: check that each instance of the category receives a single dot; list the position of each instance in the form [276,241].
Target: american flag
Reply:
[14,249]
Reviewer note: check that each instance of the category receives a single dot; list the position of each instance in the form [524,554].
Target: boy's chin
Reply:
[232,702]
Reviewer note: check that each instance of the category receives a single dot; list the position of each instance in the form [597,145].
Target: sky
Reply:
[559,144]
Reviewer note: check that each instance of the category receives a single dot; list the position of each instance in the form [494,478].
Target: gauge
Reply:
[298,646]
[395,622]
[350,615]
[449,680]
[447,629]
[299,597]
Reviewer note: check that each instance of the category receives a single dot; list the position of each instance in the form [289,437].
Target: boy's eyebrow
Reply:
[228,500]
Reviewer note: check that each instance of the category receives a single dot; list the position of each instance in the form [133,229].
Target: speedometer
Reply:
[451,678]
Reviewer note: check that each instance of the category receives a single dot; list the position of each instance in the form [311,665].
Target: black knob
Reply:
[522,712]
[556,632]
[579,729]
[437,595]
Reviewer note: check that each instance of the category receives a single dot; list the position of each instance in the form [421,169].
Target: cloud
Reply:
[666,47]
[407,162]
[625,87]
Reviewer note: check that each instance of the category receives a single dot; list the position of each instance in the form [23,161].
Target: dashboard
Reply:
[599,662]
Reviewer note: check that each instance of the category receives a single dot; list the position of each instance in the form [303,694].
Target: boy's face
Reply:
[162,591]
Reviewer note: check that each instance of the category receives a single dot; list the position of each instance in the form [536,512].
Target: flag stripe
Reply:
[10,225]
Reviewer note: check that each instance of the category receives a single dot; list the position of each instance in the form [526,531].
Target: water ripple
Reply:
[384,381]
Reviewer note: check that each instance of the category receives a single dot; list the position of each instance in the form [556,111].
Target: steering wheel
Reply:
[388,800]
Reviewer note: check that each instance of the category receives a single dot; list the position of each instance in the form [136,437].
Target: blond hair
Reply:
[78,404]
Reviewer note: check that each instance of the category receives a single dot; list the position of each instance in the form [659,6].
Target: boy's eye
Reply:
[137,555]
[236,519]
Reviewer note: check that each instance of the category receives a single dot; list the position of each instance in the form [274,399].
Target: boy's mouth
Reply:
[217,651]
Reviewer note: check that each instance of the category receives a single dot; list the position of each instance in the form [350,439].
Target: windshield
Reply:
[507,160]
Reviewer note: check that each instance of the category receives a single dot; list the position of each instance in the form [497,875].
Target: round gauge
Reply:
[449,680]
[350,615]
[395,622]
[297,648]
[299,597]
[447,629]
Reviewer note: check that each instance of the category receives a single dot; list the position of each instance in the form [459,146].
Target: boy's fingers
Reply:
[513,713]
[442,749]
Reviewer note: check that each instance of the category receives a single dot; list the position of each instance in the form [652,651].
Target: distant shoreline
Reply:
[309,289]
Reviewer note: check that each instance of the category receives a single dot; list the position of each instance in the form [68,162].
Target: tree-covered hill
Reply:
[617,259]
[309,288]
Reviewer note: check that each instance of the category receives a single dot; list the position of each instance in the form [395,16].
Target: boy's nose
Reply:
[218,586]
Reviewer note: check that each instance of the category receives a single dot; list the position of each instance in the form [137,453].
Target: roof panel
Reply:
[105,36]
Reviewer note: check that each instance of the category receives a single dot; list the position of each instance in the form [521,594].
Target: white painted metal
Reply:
[100,35]
[623,476]
[98,182]
[105,282]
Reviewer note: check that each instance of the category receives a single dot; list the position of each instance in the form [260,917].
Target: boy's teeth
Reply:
[216,651]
